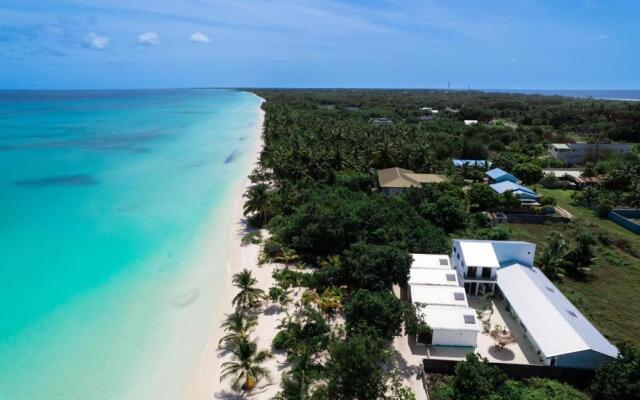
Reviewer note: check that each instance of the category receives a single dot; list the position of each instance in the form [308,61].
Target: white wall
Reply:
[447,337]
[515,251]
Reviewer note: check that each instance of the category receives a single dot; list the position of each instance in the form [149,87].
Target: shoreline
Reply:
[206,379]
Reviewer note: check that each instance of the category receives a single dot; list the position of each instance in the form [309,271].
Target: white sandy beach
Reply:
[206,382]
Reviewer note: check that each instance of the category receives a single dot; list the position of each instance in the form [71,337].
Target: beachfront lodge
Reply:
[558,333]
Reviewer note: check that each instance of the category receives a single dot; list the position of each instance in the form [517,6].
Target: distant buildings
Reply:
[471,163]
[525,194]
[469,122]
[393,180]
[578,153]
[382,121]
[498,175]
[571,177]
[429,109]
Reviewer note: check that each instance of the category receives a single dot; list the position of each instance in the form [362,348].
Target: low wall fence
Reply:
[534,218]
[575,376]
[622,216]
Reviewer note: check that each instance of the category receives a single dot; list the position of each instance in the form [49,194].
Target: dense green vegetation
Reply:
[315,191]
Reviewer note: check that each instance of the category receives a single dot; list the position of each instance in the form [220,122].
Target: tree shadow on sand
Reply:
[501,354]
[406,370]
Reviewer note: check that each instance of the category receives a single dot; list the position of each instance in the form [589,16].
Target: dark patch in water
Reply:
[125,142]
[185,299]
[242,138]
[232,157]
[62,180]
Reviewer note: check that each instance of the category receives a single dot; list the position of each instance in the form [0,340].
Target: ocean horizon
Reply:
[115,209]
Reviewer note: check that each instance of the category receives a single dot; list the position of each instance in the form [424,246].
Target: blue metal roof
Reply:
[496,173]
[508,186]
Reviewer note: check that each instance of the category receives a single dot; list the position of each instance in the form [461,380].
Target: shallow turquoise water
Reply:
[103,196]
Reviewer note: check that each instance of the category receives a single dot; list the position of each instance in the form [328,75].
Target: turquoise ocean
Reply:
[114,222]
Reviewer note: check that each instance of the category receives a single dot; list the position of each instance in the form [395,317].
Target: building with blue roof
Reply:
[522,192]
[471,163]
[498,175]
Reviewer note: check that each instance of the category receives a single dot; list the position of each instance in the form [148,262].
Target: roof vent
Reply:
[550,289]
[451,277]
[458,296]
[444,261]
[469,319]
[574,315]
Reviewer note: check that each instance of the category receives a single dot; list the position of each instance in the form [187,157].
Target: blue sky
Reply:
[554,44]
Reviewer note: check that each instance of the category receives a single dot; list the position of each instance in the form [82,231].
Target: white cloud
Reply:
[96,41]
[602,36]
[149,39]
[199,37]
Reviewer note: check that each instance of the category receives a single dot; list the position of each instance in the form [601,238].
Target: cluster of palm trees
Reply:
[246,367]
[558,258]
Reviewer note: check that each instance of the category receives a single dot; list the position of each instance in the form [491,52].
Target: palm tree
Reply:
[238,325]
[258,201]
[633,197]
[249,296]
[287,256]
[553,257]
[246,365]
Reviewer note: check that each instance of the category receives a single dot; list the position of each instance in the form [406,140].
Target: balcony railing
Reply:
[468,277]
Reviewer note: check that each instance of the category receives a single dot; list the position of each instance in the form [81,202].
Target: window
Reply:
[486,273]
[469,319]
[471,272]
[458,296]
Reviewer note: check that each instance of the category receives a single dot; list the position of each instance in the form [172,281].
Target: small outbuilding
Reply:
[451,325]
[498,175]
[521,192]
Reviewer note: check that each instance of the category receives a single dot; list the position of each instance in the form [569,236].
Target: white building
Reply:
[469,122]
[477,261]
[451,325]
[559,333]
[578,153]
[435,288]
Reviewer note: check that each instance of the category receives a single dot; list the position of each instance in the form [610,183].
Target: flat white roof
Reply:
[431,261]
[479,254]
[551,320]
[438,295]
[422,276]
[450,317]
